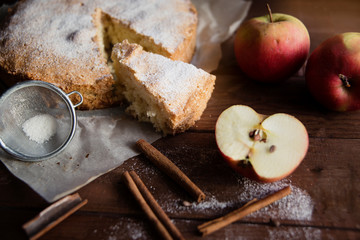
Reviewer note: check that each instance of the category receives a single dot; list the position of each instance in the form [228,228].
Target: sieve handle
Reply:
[79,94]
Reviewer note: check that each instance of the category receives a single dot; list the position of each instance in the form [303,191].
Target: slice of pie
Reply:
[170,94]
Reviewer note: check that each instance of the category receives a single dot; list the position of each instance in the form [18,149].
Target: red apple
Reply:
[333,72]
[271,48]
[263,148]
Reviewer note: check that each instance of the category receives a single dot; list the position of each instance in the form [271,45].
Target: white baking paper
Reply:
[218,20]
[104,139]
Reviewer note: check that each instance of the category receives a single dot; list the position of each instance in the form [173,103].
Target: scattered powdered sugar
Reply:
[40,128]
[166,22]
[67,27]
[295,233]
[211,203]
[173,82]
[131,228]
[113,232]
[134,231]
[298,206]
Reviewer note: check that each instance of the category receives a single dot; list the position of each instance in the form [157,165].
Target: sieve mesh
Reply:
[25,101]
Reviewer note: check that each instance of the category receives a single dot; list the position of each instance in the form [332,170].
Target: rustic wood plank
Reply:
[331,188]
[114,226]
[326,183]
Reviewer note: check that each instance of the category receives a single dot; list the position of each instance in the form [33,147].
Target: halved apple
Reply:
[263,148]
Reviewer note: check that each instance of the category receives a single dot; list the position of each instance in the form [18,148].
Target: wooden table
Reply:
[328,176]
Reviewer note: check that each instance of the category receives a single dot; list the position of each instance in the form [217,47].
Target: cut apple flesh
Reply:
[232,131]
[274,145]
[288,139]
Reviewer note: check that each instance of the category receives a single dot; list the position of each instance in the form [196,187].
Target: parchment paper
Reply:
[104,139]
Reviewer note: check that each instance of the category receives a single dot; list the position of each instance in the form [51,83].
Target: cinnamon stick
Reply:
[145,207]
[221,219]
[53,215]
[169,168]
[175,233]
[252,206]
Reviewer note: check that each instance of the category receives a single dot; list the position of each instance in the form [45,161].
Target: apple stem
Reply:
[345,80]
[270,14]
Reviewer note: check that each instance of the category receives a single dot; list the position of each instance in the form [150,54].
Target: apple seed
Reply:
[252,133]
[272,148]
[257,137]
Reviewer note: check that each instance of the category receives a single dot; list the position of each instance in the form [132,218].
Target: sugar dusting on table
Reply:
[40,128]
[295,233]
[297,206]
[132,228]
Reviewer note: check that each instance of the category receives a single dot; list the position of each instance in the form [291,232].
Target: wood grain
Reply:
[328,178]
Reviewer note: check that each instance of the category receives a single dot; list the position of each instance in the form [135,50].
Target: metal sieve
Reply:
[26,100]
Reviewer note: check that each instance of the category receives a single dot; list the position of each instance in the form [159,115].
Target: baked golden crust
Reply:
[185,50]
[170,94]
[61,44]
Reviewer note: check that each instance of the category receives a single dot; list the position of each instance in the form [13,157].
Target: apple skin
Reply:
[248,171]
[334,59]
[271,51]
